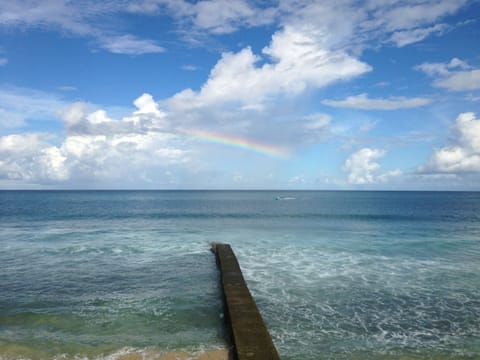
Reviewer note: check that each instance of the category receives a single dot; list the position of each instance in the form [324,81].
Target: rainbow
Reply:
[237,142]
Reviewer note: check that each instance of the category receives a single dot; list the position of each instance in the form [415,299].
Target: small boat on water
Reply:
[285,198]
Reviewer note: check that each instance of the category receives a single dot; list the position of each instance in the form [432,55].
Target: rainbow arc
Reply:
[238,142]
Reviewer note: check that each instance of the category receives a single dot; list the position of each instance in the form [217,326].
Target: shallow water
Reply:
[353,275]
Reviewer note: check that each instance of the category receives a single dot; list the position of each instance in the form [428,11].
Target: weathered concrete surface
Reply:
[250,336]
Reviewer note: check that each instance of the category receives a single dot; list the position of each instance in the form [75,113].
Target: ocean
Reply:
[336,275]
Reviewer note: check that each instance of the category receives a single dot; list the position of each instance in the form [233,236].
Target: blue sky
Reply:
[217,94]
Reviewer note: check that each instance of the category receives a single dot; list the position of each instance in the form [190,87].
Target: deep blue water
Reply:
[336,275]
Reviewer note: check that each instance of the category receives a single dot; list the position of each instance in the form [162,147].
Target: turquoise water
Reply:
[336,275]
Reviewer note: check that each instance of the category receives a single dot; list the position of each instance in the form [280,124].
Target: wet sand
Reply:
[26,353]
[153,355]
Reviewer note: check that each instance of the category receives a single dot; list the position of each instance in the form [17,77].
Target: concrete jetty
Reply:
[250,336]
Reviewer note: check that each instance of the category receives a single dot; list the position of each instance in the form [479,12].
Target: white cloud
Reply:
[362,101]
[74,114]
[454,159]
[224,16]
[317,122]
[456,75]
[3,61]
[442,69]
[362,167]
[473,98]
[96,147]
[316,127]
[189,67]
[79,18]
[117,155]
[146,105]
[305,53]
[298,62]
[29,157]
[407,37]
[460,81]
[389,175]
[297,180]
[129,44]
[213,16]
[399,22]
[463,154]
[318,43]
[67,88]
[148,117]
[19,104]
[22,144]
[371,18]
[61,14]
[394,15]
[361,25]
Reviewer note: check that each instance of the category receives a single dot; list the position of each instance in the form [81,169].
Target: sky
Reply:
[242,94]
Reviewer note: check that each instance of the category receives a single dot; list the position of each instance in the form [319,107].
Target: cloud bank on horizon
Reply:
[240,94]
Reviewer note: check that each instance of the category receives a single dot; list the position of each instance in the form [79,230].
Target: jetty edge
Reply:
[251,339]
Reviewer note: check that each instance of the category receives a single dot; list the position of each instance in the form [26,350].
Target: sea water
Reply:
[336,275]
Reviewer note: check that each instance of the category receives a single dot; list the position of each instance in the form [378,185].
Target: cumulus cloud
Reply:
[362,167]
[305,53]
[78,119]
[147,144]
[147,105]
[463,154]
[297,63]
[363,102]
[30,157]
[118,155]
[456,75]
[95,147]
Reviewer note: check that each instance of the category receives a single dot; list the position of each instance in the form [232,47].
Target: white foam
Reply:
[390,302]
